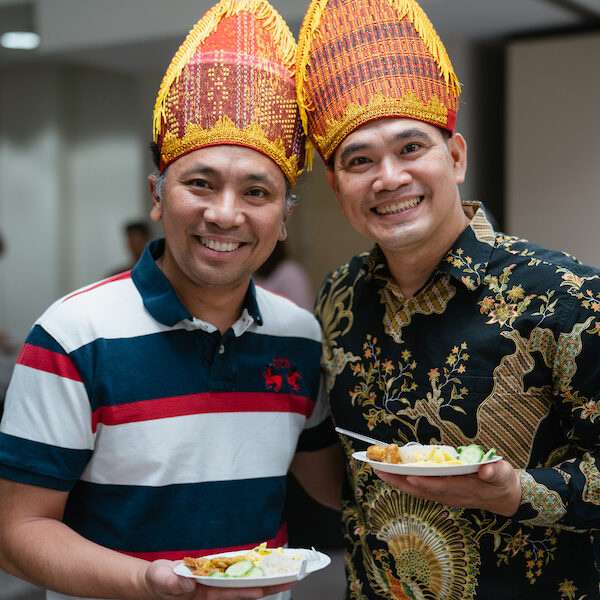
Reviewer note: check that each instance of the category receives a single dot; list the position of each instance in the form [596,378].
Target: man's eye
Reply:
[200,183]
[358,160]
[257,193]
[412,147]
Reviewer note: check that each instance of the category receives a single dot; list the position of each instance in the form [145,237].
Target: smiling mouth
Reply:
[398,207]
[219,246]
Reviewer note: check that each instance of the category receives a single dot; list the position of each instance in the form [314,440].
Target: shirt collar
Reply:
[466,261]
[161,301]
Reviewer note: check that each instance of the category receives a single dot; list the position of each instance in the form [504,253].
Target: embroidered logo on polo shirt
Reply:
[280,372]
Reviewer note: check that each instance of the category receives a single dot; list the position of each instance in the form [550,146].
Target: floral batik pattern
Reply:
[500,348]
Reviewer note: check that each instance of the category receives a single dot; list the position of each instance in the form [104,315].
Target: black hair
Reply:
[278,255]
[139,226]
[155,151]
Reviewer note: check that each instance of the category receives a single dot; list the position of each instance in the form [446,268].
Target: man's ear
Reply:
[331,179]
[334,186]
[288,212]
[156,211]
[457,147]
[282,230]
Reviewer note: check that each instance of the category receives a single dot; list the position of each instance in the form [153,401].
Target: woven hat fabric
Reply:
[360,60]
[232,82]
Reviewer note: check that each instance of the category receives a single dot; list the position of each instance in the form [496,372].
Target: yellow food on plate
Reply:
[257,562]
[205,566]
[431,455]
[414,454]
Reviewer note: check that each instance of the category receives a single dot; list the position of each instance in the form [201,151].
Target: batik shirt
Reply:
[500,348]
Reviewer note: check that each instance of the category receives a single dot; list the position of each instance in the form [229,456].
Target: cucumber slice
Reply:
[489,455]
[239,569]
[255,572]
[217,574]
[471,454]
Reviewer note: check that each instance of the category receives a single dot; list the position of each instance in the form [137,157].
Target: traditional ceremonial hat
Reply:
[232,82]
[360,60]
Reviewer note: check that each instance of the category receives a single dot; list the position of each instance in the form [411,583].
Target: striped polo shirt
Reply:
[171,438]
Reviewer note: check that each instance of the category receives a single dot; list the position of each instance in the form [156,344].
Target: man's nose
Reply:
[225,210]
[391,175]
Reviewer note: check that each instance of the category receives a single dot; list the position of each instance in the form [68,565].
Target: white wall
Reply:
[553,144]
[30,195]
[71,173]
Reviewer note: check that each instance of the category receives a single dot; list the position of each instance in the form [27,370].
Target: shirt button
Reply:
[221,349]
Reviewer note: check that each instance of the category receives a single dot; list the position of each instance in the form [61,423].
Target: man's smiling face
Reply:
[396,181]
[223,210]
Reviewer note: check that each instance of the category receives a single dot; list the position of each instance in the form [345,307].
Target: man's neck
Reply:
[220,306]
[409,276]
[411,267]
[219,309]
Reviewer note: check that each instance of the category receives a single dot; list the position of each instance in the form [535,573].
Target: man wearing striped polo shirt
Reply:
[155,415]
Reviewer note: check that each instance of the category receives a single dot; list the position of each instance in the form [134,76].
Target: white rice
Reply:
[411,453]
[279,564]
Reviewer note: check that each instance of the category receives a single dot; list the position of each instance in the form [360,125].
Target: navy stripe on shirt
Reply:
[54,467]
[199,515]
[180,362]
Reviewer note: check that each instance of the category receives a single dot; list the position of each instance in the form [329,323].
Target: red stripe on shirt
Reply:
[49,361]
[124,275]
[209,402]
[279,540]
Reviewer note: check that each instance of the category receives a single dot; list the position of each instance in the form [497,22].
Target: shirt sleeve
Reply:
[567,494]
[318,431]
[46,434]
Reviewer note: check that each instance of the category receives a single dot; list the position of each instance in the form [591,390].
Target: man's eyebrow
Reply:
[199,169]
[411,133]
[352,148]
[258,177]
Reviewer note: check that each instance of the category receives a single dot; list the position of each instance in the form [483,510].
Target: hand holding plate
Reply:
[163,583]
[495,487]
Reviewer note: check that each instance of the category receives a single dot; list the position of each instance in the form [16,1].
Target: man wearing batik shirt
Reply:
[155,415]
[446,332]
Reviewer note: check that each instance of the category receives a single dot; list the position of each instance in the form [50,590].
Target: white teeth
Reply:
[398,207]
[219,246]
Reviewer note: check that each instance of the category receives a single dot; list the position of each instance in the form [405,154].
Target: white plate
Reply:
[315,561]
[432,471]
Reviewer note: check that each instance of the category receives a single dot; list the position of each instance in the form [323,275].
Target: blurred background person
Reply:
[137,235]
[284,275]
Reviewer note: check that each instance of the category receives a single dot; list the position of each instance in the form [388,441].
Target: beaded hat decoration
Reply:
[360,60]
[232,82]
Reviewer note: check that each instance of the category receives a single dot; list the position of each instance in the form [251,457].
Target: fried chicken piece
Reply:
[194,563]
[205,566]
[376,453]
[198,566]
[222,562]
[392,454]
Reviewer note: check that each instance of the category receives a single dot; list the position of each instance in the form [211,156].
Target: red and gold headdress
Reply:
[360,60]
[232,82]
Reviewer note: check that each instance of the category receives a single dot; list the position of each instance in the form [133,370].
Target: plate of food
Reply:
[430,460]
[259,567]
